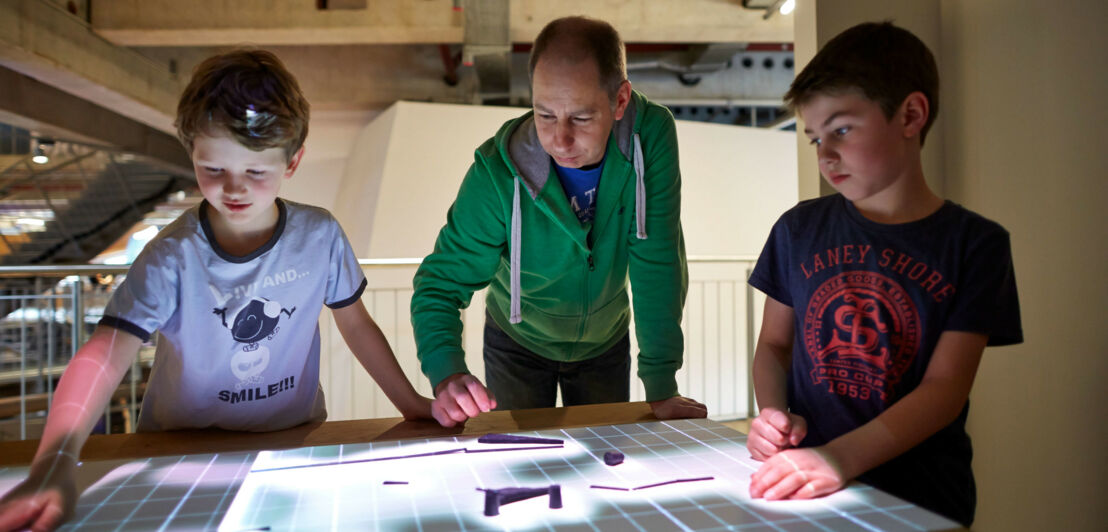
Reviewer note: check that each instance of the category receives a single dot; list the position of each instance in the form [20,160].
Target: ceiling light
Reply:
[146,234]
[38,153]
[771,8]
[39,156]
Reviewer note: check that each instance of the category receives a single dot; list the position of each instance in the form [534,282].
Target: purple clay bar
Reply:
[654,485]
[494,498]
[613,458]
[514,439]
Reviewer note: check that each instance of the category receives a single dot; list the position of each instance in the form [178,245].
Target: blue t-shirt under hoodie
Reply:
[580,185]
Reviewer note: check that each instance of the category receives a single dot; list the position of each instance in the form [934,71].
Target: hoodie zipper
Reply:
[591,264]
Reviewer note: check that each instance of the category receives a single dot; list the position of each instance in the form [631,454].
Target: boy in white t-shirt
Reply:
[235,287]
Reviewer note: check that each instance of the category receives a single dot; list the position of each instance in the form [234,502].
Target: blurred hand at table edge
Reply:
[678,407]
[44,500]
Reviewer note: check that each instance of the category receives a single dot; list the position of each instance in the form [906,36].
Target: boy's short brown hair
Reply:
[250,94]
[584,38]
[884,62]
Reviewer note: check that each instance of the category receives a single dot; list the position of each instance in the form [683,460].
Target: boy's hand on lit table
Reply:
[797,474]
[44,501]
[774,431]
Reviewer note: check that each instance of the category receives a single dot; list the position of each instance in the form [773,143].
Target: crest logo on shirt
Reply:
[862,332]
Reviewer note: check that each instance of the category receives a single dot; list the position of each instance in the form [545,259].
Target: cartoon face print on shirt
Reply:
[255,321]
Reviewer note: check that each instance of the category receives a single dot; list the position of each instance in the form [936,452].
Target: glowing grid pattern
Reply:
[442,489]
[168,493]
[195,492]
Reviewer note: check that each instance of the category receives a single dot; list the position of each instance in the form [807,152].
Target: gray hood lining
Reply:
[527,157]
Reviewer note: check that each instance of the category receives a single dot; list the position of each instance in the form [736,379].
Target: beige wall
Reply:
[406,166]
[736,181]
[1025,84]
[331,138]
[430,148]
[1022,102]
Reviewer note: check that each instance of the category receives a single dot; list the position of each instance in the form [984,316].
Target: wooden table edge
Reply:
[183,442]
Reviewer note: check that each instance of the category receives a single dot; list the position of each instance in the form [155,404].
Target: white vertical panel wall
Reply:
[404,171]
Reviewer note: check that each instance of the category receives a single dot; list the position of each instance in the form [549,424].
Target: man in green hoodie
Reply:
[559,209]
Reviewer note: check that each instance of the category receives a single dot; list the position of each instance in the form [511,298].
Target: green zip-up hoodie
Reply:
[569,279]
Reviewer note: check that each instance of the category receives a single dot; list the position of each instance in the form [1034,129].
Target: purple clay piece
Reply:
[492,503]
[555,496]
[528,448]
[668,482]
[597,487]
[325,464]
[512,438]
[494,498]
[394,482]
[613,458]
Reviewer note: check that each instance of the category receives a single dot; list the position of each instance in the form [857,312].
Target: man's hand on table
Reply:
[460,397]
[678,408]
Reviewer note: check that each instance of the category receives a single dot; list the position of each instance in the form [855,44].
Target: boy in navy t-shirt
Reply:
[881,297]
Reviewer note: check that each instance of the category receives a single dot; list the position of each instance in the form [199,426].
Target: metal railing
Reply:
[50,310]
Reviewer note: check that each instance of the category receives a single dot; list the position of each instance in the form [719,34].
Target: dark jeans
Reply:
[519,378]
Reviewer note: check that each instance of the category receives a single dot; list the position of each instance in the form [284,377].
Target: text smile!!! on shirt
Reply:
[258,392]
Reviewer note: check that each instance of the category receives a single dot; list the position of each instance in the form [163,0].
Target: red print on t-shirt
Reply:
[861,331]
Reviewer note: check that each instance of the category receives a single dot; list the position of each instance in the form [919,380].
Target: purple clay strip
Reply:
[559,445]
[674,482]
[514,439]
[595,487]
[533,448]
[325,464]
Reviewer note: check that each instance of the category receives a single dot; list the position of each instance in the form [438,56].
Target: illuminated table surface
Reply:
[389,474]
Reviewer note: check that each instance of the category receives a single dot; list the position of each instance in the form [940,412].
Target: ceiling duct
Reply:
[487,47]
[690,64]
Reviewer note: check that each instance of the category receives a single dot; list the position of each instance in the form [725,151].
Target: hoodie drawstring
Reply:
[515,315]
[640,191]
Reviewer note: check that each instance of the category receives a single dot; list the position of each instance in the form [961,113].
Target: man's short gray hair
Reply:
[580,38]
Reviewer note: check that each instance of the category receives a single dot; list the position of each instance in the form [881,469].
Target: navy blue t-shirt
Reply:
[870,301]
[580,185]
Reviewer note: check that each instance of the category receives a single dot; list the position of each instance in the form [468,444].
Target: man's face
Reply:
[573,114]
